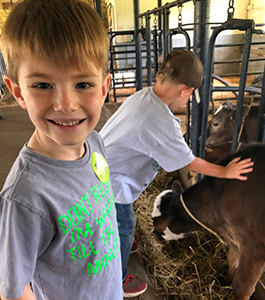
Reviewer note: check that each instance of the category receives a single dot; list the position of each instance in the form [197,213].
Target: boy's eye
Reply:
[83,85]
[42,85]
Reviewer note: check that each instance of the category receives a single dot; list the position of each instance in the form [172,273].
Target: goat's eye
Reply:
[215,124]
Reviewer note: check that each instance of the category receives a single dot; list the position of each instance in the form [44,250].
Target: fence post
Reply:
[137,39]
[200,48]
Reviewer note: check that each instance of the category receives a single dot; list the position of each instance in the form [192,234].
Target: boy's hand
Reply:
[235,168]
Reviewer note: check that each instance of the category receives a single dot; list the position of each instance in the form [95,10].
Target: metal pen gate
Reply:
[203,46]
[158,42]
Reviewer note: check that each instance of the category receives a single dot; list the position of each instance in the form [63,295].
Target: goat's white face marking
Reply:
[169,235]
[156,211]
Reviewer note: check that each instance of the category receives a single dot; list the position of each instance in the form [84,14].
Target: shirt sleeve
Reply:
[24,236]
[173,154]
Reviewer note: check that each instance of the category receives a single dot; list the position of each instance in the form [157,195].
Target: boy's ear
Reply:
[186,90]
[15,90]
[105,86]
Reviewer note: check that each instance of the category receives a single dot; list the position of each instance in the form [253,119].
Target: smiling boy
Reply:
[57,215]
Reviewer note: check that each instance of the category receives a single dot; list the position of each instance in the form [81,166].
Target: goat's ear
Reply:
[177,187]
[228,104]
[246,109]
[248,100]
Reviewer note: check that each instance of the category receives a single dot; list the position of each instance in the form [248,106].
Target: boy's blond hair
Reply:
[69,32]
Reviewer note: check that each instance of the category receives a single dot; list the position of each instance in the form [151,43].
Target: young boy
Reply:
[144,135]
[58,223]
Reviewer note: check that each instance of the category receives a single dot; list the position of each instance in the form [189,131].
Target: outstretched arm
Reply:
[232,171]
[28,294]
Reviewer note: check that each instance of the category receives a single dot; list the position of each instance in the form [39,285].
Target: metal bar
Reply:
[238,74]
[155,49]
[97,6]
[3,70]
[124,52]
[201,49]
[122,32]
[238,44]
[137,38]
[127,81]
[159,5]
[242,84]
[112,59]
[123,96]
[261,117]
[166,13]
[112,53]
[112,67]
[166,6]
[208,89]
[183,32]
[148,50]
[3,64]
[235,89]
[236,61]
[188,104]
[125,69]
[202,23]
[216,77]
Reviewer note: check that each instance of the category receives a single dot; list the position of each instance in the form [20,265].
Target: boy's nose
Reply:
[65,102]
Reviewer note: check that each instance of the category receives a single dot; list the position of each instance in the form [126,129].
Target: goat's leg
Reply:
[233,260]
[247,274]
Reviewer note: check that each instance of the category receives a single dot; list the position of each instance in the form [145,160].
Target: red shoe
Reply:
[134,247]
[133,286]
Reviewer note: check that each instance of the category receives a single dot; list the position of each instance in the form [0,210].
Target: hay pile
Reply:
[188,269]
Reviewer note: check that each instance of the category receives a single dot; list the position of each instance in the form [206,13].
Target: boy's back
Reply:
[139,138]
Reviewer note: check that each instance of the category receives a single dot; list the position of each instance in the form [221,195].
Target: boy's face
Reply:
[64,105]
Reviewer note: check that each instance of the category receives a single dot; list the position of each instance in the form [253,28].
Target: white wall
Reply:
[244,9]
[253,9]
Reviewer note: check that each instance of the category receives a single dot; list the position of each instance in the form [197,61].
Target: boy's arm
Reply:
[28,294]
[232,171]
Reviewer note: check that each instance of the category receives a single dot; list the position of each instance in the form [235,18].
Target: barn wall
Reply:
[255,10]
[124,20]
[124,11]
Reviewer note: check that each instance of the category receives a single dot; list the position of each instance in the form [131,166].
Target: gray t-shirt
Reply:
[58,228]
[139,138]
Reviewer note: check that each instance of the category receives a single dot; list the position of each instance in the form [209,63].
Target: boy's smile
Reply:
[63,104]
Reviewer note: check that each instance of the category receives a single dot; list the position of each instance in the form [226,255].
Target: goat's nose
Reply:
[158,236]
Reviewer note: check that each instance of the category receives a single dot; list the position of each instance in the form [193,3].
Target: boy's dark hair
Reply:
[183,66]
[69,32]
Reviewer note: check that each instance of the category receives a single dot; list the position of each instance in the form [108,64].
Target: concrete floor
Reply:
[15,131]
